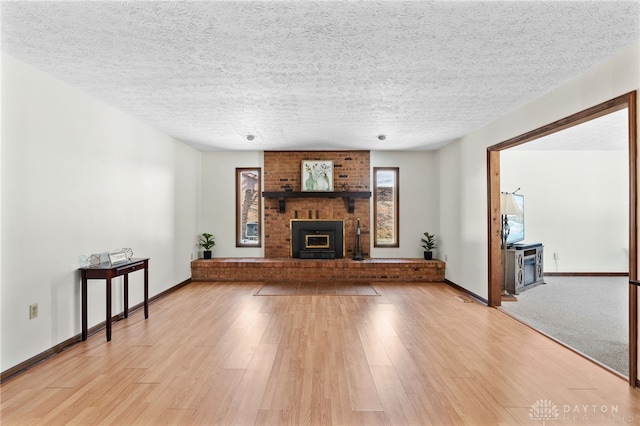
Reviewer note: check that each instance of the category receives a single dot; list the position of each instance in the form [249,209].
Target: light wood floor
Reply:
[213,353]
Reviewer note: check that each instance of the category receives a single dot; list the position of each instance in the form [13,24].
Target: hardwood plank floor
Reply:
[213,353]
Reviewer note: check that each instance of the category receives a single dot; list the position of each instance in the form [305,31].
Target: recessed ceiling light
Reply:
[382,137]
[250,137]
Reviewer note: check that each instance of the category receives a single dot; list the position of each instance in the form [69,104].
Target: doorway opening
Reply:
[626,102]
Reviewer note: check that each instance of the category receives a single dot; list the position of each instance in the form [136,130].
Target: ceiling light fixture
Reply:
[382,137]
[250,137]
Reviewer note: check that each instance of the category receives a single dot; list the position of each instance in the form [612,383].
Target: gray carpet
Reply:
[590,314]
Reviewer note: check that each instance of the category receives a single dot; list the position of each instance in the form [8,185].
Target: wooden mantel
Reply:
[350,196]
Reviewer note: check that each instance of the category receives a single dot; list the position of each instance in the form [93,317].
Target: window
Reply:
[385,206]
[248,211]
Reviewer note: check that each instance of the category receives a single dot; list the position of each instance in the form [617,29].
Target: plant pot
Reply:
[206,254]
[428,255]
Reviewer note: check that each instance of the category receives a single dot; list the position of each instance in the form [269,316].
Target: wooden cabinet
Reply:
[524,267]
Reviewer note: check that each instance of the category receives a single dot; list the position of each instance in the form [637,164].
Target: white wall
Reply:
[418,199]
[79,177]
[576,204]
[219,200]
[463,220]
[418,194]
[463,197]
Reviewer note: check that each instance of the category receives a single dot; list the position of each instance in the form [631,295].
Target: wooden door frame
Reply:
[628,101]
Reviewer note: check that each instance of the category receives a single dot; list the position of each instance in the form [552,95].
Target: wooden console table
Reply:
[107,271]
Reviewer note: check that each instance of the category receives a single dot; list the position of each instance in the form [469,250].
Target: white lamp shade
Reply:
[508,204]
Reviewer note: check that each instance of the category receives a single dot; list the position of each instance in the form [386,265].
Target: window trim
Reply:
[396,203]
[239,172]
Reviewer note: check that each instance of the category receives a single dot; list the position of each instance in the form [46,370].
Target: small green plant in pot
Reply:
[428,244]
[206,241]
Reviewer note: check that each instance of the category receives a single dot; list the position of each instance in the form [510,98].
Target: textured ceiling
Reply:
[317,74]
[607,133]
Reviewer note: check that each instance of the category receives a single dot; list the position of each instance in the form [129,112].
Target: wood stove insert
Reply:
[317,239]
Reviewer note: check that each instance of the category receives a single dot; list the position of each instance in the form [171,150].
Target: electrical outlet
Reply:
[33,311]
[445,257]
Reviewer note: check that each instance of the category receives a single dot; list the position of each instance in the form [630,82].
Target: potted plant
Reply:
[206,241]
[428,243]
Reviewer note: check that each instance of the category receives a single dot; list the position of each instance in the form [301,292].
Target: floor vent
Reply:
[464,299]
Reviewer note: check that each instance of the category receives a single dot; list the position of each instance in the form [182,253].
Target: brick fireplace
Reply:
[351,172]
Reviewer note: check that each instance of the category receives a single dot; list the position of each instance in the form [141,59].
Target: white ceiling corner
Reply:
[609,132]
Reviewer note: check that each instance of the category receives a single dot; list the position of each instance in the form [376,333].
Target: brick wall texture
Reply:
[350,170]
[338,270]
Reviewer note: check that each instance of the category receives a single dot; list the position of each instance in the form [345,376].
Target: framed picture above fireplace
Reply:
[317,176]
